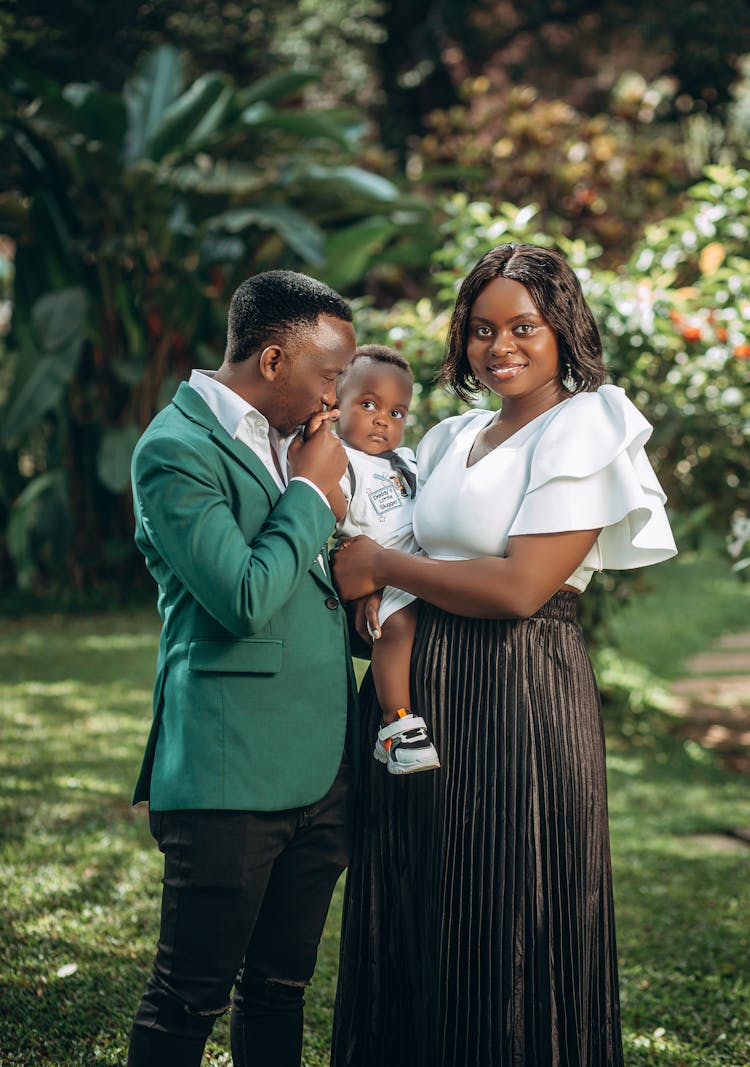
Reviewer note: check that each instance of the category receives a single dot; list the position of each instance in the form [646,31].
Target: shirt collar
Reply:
[228,407]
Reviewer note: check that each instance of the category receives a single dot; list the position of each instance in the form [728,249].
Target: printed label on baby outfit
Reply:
[388,496]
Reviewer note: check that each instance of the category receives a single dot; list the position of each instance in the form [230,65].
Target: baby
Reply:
[373,397]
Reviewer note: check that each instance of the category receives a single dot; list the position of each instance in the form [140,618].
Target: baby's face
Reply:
[374,399]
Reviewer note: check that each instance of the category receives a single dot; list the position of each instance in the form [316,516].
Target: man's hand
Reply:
[318,454]
[355,568]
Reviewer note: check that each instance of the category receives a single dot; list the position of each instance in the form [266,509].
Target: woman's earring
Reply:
[567,378]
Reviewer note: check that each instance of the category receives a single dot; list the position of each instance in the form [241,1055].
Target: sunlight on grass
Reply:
[685,604]
[81,874]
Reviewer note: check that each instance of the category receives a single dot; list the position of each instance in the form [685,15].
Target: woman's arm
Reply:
[512,586]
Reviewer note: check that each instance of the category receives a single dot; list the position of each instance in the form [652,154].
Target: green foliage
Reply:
[134,216]
[595,177]
[80,873]
[675,325]
[739,545]
[671,613]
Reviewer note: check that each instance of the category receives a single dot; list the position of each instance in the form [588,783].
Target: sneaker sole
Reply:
[396,768]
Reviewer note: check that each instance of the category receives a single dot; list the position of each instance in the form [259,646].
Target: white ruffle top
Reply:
[579,466]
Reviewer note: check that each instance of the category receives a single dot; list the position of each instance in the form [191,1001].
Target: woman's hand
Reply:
[355,568]
[365,618]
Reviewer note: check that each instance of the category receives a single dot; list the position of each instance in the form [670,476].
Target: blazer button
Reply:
[332,602]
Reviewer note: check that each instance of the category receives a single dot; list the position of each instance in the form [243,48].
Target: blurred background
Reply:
[153,155]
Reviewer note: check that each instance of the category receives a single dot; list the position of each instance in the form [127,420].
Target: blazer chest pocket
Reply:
[250,656]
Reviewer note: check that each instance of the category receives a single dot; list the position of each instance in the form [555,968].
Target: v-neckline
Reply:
[502,444]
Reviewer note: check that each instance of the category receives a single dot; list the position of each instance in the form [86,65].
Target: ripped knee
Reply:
[293,982]
[276,991]
[206,1013]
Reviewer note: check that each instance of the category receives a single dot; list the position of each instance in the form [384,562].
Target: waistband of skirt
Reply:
[561,605]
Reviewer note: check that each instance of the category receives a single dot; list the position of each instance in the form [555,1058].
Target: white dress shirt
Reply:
[245,423]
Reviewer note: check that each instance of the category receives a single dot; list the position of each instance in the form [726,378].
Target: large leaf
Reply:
[59,319]
[303,124]
[352,185]
[115,454]
[53,346]
[349,251]
[303,236]
[223,180]
[212,121]
[275,87]
[39,526]
[147,96]
[41,392]
[184,115]
[101,116]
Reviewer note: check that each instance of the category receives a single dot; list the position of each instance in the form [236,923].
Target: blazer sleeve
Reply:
[183,510]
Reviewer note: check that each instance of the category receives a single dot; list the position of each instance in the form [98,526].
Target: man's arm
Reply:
[185,514]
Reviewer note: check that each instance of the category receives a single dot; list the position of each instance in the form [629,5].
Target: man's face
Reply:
[306,382]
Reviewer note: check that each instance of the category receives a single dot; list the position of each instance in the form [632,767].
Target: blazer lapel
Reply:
[193,406]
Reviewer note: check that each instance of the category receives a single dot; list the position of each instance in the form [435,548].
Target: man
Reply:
[245,769]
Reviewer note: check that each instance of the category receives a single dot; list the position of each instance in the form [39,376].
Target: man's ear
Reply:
[272,362]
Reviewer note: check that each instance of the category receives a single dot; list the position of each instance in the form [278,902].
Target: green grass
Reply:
[685,604]
[80,874]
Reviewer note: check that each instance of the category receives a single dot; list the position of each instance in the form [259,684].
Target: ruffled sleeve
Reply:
[589,470]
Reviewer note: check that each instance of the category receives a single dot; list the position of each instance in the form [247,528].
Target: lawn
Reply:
[80,874]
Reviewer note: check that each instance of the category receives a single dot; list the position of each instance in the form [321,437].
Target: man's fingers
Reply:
[320,419]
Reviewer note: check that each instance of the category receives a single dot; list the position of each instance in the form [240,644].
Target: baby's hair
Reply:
[381,354]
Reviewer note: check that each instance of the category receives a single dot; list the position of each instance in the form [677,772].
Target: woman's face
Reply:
[511,348]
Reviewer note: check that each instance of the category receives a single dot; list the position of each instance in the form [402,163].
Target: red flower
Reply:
[692,333]
[742,351]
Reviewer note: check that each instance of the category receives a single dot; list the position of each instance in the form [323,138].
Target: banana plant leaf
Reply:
[307,239]
[147,95]
[58,322]
[115,454]
[349,251]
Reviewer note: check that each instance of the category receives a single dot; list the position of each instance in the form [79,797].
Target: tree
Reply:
[135,215]
[572,49]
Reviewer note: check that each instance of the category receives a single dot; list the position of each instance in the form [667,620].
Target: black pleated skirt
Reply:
[478,924]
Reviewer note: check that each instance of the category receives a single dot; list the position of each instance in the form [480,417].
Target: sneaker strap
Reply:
[402,726]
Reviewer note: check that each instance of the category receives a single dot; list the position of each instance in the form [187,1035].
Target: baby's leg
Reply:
[391,661]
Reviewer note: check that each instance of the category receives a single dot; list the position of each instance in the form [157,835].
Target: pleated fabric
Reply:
[478,923]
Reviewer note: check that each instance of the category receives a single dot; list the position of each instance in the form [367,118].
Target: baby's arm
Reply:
[338,503]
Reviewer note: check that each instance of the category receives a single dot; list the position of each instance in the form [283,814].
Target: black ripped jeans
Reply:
[244,903]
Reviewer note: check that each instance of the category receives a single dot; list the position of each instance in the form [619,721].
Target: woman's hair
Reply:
[557,295]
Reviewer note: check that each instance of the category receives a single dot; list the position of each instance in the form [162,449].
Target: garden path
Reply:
[712,700]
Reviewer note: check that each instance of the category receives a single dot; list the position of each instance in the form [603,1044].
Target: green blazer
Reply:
[254,684]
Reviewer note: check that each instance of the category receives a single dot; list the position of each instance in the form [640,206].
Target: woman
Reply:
[478,928]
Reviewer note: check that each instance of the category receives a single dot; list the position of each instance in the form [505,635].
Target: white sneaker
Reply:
[404,746]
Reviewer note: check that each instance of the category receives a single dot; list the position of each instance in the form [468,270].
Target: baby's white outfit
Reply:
[578,466]
[381,492]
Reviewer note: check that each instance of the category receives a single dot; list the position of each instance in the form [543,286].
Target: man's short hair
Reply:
[273,307]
